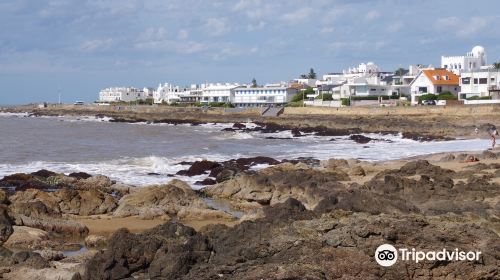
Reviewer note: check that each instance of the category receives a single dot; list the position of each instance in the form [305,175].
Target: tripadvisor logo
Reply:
[387,255]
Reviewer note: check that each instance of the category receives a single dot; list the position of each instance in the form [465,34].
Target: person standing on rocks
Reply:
[493,134]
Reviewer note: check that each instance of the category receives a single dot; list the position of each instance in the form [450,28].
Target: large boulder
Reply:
[165,252]
[278,183]
[173,199]
[82,202]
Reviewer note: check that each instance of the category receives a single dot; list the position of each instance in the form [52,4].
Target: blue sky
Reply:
[81,46]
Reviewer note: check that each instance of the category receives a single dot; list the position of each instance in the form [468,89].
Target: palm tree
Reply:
[496,65]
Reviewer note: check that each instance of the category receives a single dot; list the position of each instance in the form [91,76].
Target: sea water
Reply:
[130,153]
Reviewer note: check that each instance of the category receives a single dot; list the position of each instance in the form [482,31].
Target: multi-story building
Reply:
[263,96]
[120,94]
[480,83]
[471,61]
[218,93]
[433,81]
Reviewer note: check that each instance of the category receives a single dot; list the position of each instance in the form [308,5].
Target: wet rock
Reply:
[296,132]
[239,126]
[79,175]
[206,182]
[44,173]
[360,139]
[167,251]
[199,168]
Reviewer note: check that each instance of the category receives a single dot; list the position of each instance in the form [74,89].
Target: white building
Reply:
[120,94]
[148,93]
[263,96]
[471,61]
[433,81]
[369,86]
[480,83]
[363,69]
[167,93]
[218,93]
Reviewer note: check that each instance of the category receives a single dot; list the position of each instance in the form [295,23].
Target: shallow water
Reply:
[128,152]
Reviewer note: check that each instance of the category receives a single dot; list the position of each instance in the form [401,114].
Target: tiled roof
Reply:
[441,77]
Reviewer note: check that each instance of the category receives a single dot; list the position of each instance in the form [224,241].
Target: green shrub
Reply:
[298,97]
[294,104]
[446,96]
[428,96]
[345,102]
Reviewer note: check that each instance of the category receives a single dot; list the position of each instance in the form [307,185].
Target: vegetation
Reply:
[346,102]
[310,75]
[428,96]
[325,96]
[148,101]
[254,83]
[298,97]
[446,96]
[294,104]
[496,65]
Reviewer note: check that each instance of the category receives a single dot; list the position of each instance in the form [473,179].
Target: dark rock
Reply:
[296,132]
[239,126]
[206,182]
[44,173]
[6,223]
[154,174]
[199,168]
[80,175]
[167,251]
[360,139]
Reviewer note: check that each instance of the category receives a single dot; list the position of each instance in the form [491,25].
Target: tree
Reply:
[254,83]
[303,76]
[312,74]
[496,65]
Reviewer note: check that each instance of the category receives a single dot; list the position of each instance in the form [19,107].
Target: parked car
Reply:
[429,102]
[78,103]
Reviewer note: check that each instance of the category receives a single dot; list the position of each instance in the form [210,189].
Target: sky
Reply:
[77,47]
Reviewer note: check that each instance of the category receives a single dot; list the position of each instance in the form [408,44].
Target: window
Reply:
[483,81]
[422,89]
[439,89]
[475,81]
[373,89]
[492,80]
[465,81]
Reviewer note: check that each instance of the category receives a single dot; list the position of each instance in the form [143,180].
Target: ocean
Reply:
[130,153]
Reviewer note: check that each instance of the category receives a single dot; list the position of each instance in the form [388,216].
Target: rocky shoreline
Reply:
[414,123]
[299,220]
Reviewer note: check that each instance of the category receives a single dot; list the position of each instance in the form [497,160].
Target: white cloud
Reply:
[447,22]
[97,45]
[298,16]
[473,27]
[357,46]
[463,27]
[217,26]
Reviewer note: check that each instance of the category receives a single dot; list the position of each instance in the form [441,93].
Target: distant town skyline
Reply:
[79,47]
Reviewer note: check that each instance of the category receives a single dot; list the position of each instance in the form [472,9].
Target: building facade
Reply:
[120,94]
[473,60]
[433,81]
[480,83]
[218,93]
[263,96]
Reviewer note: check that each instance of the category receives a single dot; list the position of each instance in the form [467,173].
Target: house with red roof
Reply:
[433,81]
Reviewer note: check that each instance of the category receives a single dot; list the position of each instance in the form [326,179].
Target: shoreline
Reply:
[415,122]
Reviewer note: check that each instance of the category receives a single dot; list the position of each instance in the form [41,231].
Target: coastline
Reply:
[306,212]
[424,122]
